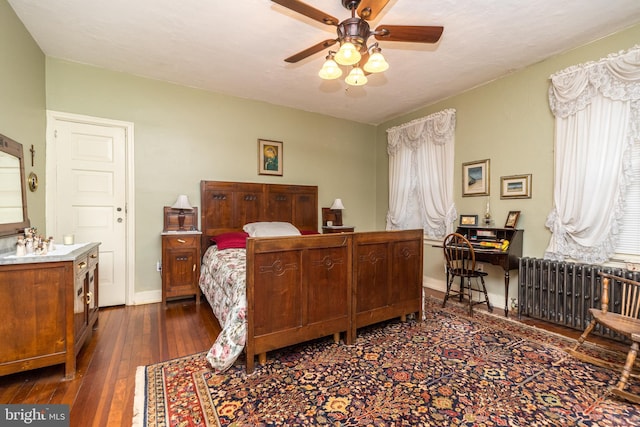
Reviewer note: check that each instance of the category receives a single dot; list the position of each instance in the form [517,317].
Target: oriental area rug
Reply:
[448,370]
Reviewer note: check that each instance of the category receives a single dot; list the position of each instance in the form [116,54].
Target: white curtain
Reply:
[421,174]
[597,110]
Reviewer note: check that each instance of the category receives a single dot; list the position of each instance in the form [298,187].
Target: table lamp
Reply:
[183,204]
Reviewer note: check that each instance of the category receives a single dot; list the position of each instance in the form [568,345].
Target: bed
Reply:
[283,290]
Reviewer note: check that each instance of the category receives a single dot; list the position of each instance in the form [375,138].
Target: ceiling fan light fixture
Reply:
[376,62]
[348,54]
[330,69]
[356,77]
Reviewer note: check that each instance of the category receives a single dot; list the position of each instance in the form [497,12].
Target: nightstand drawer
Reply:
[182,241]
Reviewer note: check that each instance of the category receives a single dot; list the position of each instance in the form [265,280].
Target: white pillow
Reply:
[266,229]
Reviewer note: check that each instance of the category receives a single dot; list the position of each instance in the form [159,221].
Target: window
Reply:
[629,234]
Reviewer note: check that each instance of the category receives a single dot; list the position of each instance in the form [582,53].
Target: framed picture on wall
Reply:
[475,178]
[515,187]
[270,159]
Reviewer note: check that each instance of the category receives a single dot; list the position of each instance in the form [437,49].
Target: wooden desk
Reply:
[508,259]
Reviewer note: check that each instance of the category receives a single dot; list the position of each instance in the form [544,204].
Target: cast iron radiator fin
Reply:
[562,292]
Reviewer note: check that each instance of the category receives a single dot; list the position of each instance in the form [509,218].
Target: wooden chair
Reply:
[626,323]
[461,262]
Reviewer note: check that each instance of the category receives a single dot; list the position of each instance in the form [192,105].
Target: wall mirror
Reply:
[13,196]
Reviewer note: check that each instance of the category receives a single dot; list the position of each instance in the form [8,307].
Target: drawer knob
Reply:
[82,265]
[182,241]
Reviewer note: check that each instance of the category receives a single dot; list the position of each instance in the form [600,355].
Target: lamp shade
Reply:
[330,70]
[347,54]
[376,63]
[182,203]
[356,77]
[337,204]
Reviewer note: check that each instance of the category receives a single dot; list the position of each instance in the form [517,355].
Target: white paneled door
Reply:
[90,196]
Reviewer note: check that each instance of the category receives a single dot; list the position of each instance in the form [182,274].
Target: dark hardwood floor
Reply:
[101,394]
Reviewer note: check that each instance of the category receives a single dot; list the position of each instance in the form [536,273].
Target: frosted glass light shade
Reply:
[337,204]
[348,54]
[376,63]
[356,77]
[330,70]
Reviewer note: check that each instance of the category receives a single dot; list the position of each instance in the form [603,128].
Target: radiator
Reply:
[562,292]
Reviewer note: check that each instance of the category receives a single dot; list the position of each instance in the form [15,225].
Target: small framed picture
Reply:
[512,219]
[515,187]
[270,157]
[475,178]
[468,219]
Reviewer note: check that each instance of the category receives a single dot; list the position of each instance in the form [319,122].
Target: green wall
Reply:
[184,135]
[22,102]
[509,122]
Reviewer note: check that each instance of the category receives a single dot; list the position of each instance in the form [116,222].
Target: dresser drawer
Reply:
[81,265]
[92,257]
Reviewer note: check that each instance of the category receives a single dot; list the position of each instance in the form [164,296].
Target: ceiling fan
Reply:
[353,34]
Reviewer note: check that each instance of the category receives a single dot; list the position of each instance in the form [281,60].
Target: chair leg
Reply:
[469,289]
[628,366]
[486,295]
[584,335]
[450,280]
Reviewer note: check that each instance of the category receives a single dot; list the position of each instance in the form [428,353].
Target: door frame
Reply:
[51,184]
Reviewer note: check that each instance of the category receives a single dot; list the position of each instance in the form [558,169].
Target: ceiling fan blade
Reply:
[306,10]
[310,51]
[369,9]
[409,33]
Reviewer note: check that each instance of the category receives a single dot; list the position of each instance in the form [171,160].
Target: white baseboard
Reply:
[497,300]
[147,297]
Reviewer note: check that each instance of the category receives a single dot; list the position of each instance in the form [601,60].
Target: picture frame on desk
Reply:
[469,220]
[512,219]
[270,157]
[475,178]
[515,187]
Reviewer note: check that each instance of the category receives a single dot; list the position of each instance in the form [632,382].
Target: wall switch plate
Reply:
[158,266]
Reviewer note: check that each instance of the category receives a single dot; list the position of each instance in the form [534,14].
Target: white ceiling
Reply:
[238,47]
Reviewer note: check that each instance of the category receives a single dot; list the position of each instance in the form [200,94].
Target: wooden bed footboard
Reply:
[387,276]
[298,289]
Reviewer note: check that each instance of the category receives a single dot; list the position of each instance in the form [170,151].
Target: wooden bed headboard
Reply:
[228,206]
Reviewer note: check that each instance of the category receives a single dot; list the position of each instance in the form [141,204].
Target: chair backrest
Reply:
[459,254]
[629,294]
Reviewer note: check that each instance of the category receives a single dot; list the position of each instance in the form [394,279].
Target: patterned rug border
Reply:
[433,309]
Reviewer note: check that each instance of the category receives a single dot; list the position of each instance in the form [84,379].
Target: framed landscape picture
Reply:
[468,219]
[515,187]
[270,160]
[475,178]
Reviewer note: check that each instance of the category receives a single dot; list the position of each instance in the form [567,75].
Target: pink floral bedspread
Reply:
[223,282]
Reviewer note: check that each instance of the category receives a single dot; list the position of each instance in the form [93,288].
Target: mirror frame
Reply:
[14,148]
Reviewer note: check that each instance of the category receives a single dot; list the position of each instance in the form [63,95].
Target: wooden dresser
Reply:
[50,307]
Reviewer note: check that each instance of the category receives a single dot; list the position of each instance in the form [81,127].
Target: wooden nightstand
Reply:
[337,229]
[180,264]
